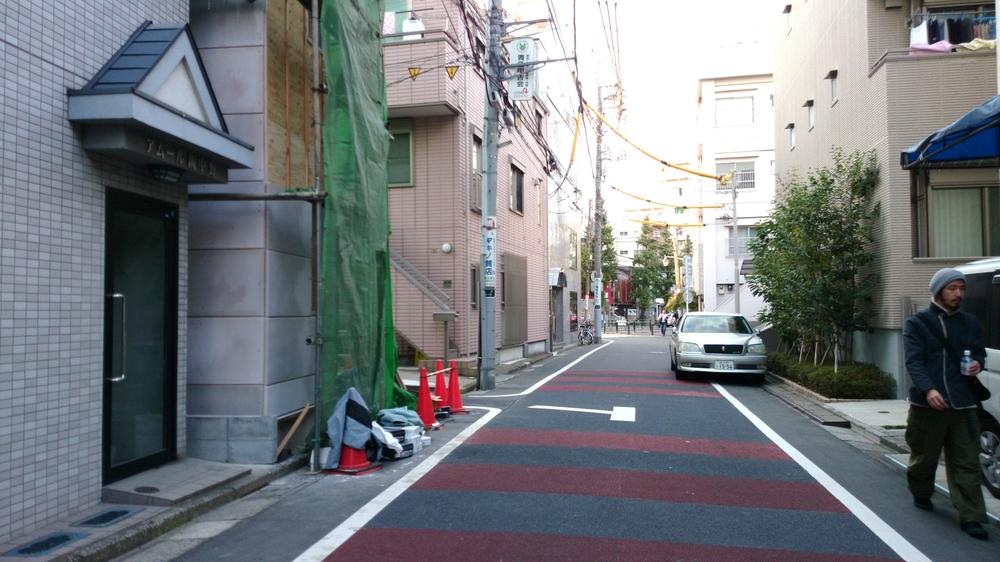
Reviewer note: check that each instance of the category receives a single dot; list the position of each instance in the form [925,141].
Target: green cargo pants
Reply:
[957,432]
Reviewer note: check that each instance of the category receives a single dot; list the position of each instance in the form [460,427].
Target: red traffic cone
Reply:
[440,388]
[425,406]
[354,462]
[455,392]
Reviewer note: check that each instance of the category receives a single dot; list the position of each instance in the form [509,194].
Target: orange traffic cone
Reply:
[425,406]
[455,392]
[440,388]
[354,462]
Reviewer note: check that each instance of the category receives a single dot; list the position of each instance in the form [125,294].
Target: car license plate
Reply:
[724,365]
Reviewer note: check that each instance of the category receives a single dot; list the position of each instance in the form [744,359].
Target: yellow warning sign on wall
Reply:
[414,72]
[452,70]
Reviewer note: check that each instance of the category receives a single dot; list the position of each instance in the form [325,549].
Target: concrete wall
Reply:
[251,262]
[52,244]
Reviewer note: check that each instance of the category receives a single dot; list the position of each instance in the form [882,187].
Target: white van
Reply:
[982,298]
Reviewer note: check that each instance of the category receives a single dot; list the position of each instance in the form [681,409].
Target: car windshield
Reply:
[716,325]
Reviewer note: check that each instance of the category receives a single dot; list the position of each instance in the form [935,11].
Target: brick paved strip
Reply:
[555,386]
[637,442]
[632,484]
[433,544]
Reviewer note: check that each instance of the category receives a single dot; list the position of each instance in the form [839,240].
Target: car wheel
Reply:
[758,379]
[989,454]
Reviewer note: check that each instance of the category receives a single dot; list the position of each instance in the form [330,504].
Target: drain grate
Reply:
[42,546]
[108,517]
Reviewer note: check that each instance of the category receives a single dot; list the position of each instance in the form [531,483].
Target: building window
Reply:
[791,135]
[743,175]
[516,190]
[810,113]
[574,307]
[474,286]
[400,165]
[834,94]
[788,17]
[476,182]
[623,233]
[739,242]
[539,123]
[734,111]
[622,252]
[956,218]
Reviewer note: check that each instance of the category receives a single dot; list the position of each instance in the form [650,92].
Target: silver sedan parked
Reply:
[709,343]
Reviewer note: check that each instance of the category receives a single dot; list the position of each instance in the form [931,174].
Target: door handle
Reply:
[122,338]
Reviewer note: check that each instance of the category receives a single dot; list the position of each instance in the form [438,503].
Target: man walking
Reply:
[662,319]
[944,402]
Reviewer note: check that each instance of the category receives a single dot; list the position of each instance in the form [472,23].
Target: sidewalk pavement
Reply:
[878,421]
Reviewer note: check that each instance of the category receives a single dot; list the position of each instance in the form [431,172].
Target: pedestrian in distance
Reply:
[944,402]
[662,319]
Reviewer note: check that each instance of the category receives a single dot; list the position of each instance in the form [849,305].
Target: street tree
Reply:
[609,259]
[811,256]
[653,266]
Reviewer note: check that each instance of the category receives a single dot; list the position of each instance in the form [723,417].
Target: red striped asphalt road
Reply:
[435,544]
[637,442]
[632,484]
[623,380]
[555,386]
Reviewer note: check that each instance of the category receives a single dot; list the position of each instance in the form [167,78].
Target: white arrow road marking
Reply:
[617,413]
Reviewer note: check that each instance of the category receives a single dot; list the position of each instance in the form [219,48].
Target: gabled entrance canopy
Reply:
[973,141]
[152,104]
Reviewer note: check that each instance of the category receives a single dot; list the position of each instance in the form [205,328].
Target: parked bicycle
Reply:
[586,334]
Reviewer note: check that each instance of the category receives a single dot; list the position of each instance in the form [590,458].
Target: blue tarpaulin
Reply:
[973,141]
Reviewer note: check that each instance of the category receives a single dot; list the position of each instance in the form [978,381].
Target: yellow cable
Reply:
[576,132]
[632,195]
[657,223]
[724,179]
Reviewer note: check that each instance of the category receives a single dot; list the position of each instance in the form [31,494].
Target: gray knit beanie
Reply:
[944,276]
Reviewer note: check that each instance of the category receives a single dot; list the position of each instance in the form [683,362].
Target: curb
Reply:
[522,363]
[819,412]
[131,538]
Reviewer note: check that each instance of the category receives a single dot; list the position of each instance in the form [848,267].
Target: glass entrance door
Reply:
[140,335]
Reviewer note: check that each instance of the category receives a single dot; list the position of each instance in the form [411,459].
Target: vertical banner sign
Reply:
[524,81]
[490,258]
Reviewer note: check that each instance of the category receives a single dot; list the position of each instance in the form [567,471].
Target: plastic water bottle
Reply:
[966,362]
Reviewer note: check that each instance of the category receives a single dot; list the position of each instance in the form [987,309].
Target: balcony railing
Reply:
[743,179]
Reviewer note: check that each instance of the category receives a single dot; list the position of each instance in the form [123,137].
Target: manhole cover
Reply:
[147,490]
[45,544]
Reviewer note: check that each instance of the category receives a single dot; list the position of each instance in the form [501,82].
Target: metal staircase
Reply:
[420,281]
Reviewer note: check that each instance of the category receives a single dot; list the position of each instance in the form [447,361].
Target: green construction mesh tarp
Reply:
[355,305]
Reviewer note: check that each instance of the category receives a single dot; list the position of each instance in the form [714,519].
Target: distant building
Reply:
[736,136]
[847,76]
[436,161]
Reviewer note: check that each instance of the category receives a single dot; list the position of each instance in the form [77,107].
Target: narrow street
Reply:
[557,467]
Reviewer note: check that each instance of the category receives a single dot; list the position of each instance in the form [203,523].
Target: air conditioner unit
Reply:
[721,289]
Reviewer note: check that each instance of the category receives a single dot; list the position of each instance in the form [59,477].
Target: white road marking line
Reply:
[339,535]
[538,384]
[617,413]
[882,530]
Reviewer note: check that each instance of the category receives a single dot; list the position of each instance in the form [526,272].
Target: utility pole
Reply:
[487,307]
[736,247]
[598,207]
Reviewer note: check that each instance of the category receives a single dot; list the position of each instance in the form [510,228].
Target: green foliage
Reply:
[652,267]
[810,256]
[850,381]
[609,259]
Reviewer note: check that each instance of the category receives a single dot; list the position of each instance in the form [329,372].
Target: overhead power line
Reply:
[672,205]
